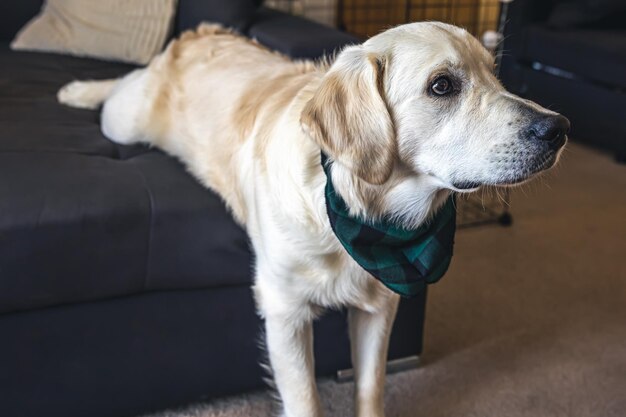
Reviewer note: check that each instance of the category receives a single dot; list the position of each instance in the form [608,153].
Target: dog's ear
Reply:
[349,119]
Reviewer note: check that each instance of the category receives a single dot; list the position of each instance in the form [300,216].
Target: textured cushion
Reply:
[593,54]
[82,218]
[129,31]
[231,13]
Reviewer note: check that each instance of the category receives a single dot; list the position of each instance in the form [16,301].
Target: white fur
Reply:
[266,167]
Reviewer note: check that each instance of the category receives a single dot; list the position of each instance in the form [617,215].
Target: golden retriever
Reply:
[408,117]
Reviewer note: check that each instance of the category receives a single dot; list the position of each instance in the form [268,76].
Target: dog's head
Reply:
[423,98]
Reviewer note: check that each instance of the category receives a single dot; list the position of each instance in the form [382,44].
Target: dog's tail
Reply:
[86,94]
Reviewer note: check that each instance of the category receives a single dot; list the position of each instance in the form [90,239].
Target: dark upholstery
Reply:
[297,37]
[604,52]
[573,67]
[587,14]
[124,284]
[117,209]
[232,13]
[14,14]
[131,355]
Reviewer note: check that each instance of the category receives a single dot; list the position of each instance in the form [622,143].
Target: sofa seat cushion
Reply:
[599,55]
[82,218]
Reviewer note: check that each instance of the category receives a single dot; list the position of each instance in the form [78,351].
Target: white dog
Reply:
[406,118]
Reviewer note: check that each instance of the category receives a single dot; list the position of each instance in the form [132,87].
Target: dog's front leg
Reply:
[290,347]
[369,341]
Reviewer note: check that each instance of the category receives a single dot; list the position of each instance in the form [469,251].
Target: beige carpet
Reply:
[529,321]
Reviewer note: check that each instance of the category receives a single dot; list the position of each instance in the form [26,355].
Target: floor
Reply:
[529,321]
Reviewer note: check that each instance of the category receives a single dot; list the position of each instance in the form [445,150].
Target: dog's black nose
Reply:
[551,130]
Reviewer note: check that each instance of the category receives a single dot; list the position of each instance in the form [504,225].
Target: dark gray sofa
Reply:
[570,55]
[124,285]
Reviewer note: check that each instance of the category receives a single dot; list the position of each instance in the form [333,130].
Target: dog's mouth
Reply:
[512,176]
[467,185]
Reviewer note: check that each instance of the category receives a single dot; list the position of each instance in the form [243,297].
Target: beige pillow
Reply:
[122,30]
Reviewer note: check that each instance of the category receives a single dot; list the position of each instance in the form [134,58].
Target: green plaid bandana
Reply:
[403,260]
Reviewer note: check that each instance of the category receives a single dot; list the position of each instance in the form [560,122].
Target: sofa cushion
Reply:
[118,30]
[231,13]
[14,14]
[82,218]
[601,14]
[296,36]
[599,55]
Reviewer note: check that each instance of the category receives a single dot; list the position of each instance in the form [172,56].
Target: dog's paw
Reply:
[79,94]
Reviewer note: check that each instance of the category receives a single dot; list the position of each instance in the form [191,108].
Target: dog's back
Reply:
[216,92]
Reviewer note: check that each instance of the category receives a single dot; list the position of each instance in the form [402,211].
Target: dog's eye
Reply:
[441,86]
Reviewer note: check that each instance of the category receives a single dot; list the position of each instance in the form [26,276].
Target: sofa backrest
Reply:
[233,13]
[14,14]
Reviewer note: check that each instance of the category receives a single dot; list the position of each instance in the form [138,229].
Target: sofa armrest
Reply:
[14,14]
[521,15]
[296,36]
